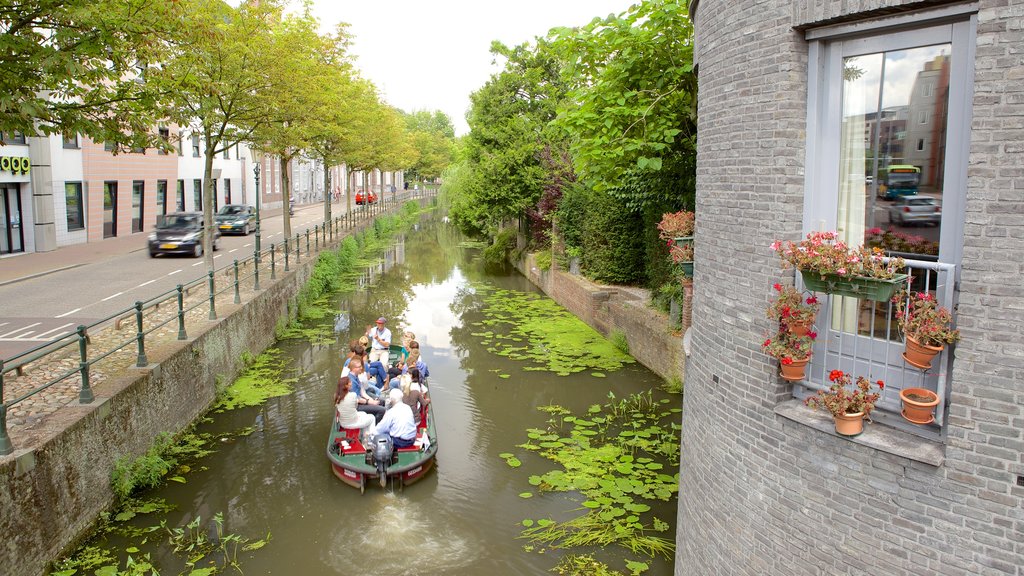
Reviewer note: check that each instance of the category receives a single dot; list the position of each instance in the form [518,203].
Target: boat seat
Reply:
[354,445]
[415,447]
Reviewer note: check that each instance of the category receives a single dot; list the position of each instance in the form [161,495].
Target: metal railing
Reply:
[861,337]
[148,322]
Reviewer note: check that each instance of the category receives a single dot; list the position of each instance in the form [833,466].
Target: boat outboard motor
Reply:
[383,448]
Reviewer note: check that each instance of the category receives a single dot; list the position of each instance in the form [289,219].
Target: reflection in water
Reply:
[462,519]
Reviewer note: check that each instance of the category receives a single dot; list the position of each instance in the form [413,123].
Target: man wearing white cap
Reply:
[380,340]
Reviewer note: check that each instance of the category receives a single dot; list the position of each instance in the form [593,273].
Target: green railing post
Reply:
[213,297]
[5,441]
[238,297]
[256,274]
[140,336]
[181,313]
[273,262]
[85,394]
[316,235]
[285,254]
[298,248]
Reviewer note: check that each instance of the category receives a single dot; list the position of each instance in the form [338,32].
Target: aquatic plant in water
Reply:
[613,457]
[527,326]
[262,380]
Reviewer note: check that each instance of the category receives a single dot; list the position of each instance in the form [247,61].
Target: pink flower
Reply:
[775,245]
[841,271]
[777,286]
[812,334]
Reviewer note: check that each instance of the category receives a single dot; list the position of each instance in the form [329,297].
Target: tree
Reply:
[79,66]
[432,135]
[296,63]
[214,79]
[631,112]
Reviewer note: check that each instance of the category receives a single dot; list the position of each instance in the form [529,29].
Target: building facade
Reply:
[57,191]
[803,108]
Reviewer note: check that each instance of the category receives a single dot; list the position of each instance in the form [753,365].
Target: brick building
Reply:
[792,95]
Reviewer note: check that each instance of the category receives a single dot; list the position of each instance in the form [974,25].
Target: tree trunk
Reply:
[286,195]
[208,230]
[327,195]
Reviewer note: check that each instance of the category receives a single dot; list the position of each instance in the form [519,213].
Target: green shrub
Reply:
[618,338]
[146,471]
[496,255]
[544,259]
[613,251]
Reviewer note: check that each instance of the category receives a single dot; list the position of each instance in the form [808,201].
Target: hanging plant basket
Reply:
[687,269]
[920,355]
[683,240]
[863,287]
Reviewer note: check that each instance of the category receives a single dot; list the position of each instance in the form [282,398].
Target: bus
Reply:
[900,180]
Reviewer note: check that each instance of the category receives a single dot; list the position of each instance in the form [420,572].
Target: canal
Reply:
[467,516]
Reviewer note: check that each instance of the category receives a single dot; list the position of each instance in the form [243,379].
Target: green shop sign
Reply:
[15,164]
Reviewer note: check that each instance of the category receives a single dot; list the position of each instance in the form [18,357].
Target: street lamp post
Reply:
[256,171]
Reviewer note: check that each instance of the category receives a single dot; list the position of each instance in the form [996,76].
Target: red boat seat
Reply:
[414,448]
[354,445]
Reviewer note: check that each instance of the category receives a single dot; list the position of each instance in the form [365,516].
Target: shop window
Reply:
[73,205]
[161,197]
[165,136]
[877,97]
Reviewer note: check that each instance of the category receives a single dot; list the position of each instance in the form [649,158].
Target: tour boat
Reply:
[356,464]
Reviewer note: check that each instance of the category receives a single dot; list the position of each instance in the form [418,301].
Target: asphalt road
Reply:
[37,310]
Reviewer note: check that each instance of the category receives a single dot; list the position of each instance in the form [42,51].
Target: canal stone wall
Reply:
[611,309]
[52,491]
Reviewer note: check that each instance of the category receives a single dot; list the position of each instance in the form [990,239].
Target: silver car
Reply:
[915,210]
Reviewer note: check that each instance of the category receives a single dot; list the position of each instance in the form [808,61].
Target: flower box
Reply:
[687,269]
[682,240]
[863,287]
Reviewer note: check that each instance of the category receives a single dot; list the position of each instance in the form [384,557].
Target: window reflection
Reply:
[893,148]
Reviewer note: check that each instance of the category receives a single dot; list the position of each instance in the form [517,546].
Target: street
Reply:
[39,309]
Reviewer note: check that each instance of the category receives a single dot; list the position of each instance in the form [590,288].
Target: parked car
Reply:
[364,197]
[236,218]
[915,209]
[180,233]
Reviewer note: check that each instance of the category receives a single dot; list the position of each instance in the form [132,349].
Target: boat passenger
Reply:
[398,422]
[348,415]
[407,337]
[412,391]
[415,361]
[380,341]
[364,388]
[364,403]
[395,372]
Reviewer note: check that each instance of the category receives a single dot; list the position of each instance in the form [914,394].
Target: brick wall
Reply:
[761,494]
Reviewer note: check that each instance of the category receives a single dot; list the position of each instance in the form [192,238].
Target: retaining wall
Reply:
[615,308]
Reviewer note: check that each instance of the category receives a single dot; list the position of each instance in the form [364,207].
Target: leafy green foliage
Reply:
[526,326]
[611,252]
[544,259]
[262,380]
[615,456]
[618,339]
[497,254]
[146,471]
[586,565]
[634,93]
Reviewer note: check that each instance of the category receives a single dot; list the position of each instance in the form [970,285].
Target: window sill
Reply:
[877,436]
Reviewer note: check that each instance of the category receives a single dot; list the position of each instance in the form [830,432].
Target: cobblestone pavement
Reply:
[59,371]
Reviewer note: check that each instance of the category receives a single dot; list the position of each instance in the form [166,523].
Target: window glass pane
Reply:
[137,193]
[161,197]
[73,202]
[197,190]
[893,142]
[179,201]
[109,209]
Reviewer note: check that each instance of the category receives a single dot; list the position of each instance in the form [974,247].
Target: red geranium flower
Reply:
[787,361]
[881,385]
[835,375]
[777,286]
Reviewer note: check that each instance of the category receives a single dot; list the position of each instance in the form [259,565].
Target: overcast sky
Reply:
[430,54]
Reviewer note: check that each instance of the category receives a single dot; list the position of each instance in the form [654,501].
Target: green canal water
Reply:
[467,516]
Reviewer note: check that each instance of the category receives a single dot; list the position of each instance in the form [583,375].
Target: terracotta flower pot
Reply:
[795,370]
[919,405]
[849,424]
[920,355]
[800,329]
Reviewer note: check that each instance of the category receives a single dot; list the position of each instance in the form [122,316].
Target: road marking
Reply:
[146,283]
[112,296]
[246,245]
[15,331]
[173,273]
[235,250]
[217,256]
[198,263]
[64,314]
[42,334]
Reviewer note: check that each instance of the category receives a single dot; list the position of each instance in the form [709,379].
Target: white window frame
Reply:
[827,46]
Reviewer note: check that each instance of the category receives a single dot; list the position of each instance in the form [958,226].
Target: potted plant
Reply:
[919,405]
[926,326]
[792,351]
[829,265]
[849,407]
[792,311]
[682,254]
[677,227]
